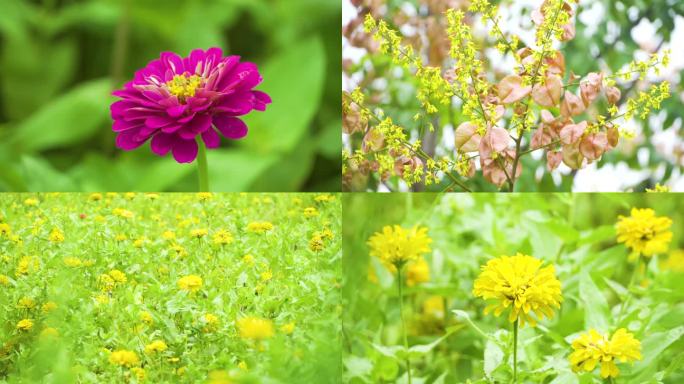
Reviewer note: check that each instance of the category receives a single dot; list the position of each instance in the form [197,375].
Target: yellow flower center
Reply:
[183,87]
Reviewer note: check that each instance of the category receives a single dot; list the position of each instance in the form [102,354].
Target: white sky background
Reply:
[611,177]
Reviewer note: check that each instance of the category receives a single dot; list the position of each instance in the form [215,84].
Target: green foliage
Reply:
[574,233]
[60,61]
[151,239]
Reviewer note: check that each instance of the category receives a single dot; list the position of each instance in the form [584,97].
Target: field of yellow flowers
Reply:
[533,288]
[169,288]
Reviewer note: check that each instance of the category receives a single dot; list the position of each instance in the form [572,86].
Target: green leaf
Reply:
[654,344]
[493,356]
[329,142]
[40,176]
[596,311]
[357,366]
[294,79]
[420,350]
[67,120]
[235,170]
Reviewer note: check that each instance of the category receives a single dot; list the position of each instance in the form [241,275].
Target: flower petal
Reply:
[161,143]
[184,151]
[230,127]
[211,138]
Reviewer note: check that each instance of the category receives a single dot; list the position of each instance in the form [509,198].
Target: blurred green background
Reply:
[573,232]
[60,60]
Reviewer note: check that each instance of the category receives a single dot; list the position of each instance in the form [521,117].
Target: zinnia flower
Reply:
[174,100]
[396,245]
[25,325]
[521,284]
[255,328]
[644,233]
[155,346]
[592,348]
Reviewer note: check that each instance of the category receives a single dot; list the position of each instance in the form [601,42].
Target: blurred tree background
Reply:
[60,60]
[609,34]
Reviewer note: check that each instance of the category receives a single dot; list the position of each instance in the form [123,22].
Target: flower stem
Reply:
[515,351]
[202,169]
[403,323]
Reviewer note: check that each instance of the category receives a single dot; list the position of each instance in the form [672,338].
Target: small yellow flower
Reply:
[156,346]
[56,236]
[519,283]
[181,371]
[124,358]
[121,237]
[49,333]
[72,262]
[675,262]
[123,213]
[102,299]
[26,303]
[211,322]
[27,265]
[433,307]
[48,307]
[152,196]
[118,276]
[146,317]
[179,250]
[417,272]
[644,233]
[288,328]
[205,196]
[95,196]
[222,237]
[129,195]
[310,212]
[658,188]
[31,202]
[169,235]
[242,365]
[4,280]
[248,259]
[106,283]
[324,198]
[266,275]
[25,325]
[316,243]
[191,283]
[139,373]
[5,229]
[198,233]
[138,243]
[592,348]
[397,245]
[255,328]
[259,226]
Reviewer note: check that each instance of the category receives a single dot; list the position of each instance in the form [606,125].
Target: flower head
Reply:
[259,226]
[174,100]
[644,232]
[255,328]
[191,283]
[25,325]
[592,348]
[155,346]
[124,358]
[397,245]
[222,237]
[56,236]
[520,283]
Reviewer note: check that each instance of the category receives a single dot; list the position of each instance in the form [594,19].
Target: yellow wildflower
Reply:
[644,233]
[310,212]
[72,262]
[658,188]
[266,275]
[191,283]
[592,348]
[433,307]
[31,202]
[248,259]
[124,358]
[27,265]
[211,322]
[5,229]
[259,226]
[316,243]
[26,303]
[139,373]
[520,283]
[222,237]
[397,245]
[255,328]
[204,196]
[324,198]
[4,280]
[242,365]
[106,282]
[25,325]
[675,262]
[48,307]
[179,250]
[169,235]
[49,333]
[118,276]
[56,236]
[288,328]
[198,233]
[146,317]
[124,213]
[138,243]
[95,196]
[155,347]
[417,272]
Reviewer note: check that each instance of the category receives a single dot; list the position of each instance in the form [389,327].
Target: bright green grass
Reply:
[92,322]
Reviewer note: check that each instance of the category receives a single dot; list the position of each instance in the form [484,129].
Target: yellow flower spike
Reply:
[396,245]
[644,233]
[592,348]
[520,284]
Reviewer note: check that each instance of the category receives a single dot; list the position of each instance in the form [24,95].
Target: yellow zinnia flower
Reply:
[417,272]
[521,284]
[222,237]
[56,236]
[592,348]
[259,226]
[25,325]
[644,233]
[124,358]
[397,245]
[155,346]
[255,328]
[190,283]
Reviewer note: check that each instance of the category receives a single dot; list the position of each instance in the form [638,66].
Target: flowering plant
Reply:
[496,119]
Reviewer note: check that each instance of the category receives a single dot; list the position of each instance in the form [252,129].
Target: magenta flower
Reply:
[173,100]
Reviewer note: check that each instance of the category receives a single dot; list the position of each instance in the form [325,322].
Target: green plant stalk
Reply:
[202,169]
[403,323]
[632,281]
[515,351]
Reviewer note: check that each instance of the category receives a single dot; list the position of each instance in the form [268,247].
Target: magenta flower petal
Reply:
[174,99]
[184,151]
[230,127]
[211,138]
